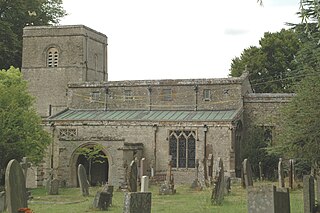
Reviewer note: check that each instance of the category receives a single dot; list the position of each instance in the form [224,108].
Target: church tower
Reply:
[54,56]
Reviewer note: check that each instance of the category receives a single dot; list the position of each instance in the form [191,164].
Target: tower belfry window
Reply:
[52,57]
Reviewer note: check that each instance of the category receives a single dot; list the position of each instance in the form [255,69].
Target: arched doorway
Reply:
[97,169]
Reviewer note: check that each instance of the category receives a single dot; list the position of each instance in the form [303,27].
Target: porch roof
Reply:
[139,115]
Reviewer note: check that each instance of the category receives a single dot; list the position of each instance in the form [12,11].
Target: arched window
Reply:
[52,57]
[182,148]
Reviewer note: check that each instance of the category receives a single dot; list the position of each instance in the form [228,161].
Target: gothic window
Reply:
[182,148]
[52,57]
[167,94]
[128,95]
[67,133]
[206,94]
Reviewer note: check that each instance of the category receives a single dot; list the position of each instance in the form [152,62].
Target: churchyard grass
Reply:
[185,200]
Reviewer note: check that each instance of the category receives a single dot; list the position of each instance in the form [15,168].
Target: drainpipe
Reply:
[149,91]
[205,130]
[196,89]
[52,145]
[155,129]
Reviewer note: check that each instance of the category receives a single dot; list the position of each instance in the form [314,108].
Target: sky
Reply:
[178,39]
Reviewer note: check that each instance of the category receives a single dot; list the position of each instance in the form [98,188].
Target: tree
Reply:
[254,148]
[14,16]
[300,136]
[270,65]
[21,133]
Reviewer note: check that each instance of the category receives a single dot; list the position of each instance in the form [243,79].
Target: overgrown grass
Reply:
[186,200]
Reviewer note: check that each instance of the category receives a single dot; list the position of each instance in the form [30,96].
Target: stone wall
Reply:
[225,94]
[113,136]
[81,57]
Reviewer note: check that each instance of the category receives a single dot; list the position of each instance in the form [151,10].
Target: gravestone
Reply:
[25,164]
[144,183]
[15,184]
[83,181]
[227,184]
[142,162]
[247,173]
[308,194]
[210,168]
[280,173]
[132,177]
[260,171]
[268,199]
[167,188]
[2,201]
[53,187]
[102,200]
[196,183]
[137,202]
[217,195]
[291,173]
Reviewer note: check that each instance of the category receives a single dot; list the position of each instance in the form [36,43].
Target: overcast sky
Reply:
[178,39]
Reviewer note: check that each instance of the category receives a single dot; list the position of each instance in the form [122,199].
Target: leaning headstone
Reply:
[144,183]
[2,201]
[268,199]
[102,200]
[247,173]
[53,188]
[137,202]
[15,184]
[280,173]
[217,195]
[83,181]
[132,177]
[167,188]
[308,194]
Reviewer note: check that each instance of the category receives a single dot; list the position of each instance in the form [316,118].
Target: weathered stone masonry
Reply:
[66,68]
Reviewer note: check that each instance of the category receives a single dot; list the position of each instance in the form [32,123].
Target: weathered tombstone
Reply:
[196,183]
[25,164]
[83,181]
[227,184]
[280,173]
[15,184]
[53,187]
[247,173]
[137,202]
[268,199]
[210,167]
[217,195]
[132,177]
[308,194]
[152,169]
[167,188]
[260,171]
[142,162]
[2,201]
[102,200]
[291,173]
[144,183]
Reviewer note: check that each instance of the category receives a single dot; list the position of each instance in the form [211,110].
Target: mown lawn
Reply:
[186,200]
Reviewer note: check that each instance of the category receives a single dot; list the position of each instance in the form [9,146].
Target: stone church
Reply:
[187,120]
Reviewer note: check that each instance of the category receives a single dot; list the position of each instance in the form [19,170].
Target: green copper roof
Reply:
[135,115]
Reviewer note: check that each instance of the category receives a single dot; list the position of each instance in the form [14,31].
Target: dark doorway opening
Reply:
[99,171]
